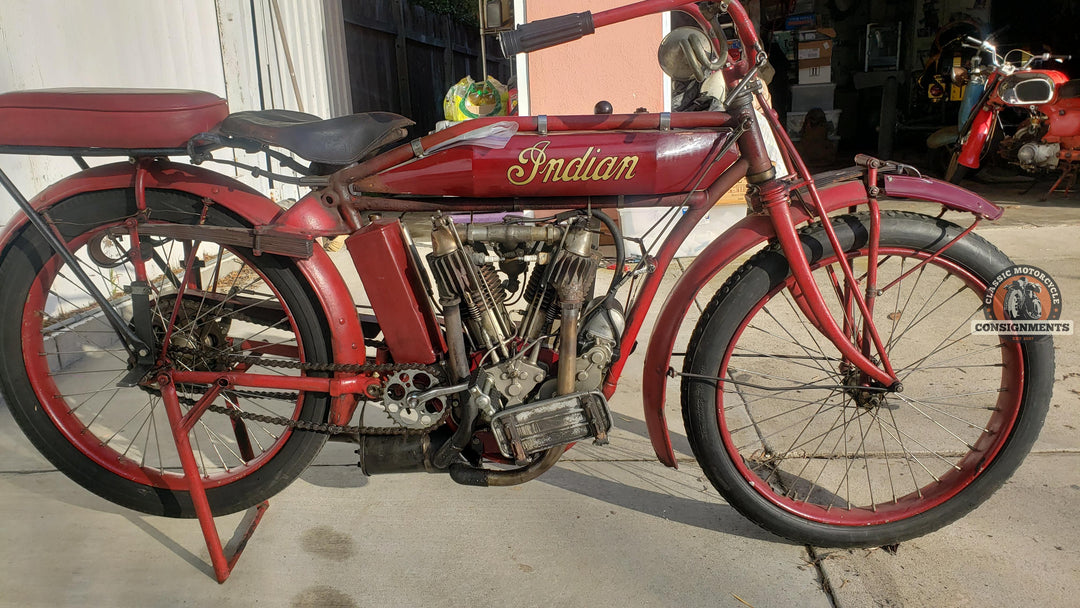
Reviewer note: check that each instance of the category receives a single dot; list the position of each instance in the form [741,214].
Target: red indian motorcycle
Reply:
[1047,140]
[178,344]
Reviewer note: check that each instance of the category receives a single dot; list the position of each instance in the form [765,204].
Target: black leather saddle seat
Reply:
[1070,90]
[335,141]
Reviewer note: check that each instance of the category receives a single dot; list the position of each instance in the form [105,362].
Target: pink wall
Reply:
[617,63]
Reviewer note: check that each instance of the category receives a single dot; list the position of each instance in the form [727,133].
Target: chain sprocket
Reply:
[384,369]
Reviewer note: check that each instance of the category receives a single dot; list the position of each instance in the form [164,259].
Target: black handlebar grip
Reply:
[541,34]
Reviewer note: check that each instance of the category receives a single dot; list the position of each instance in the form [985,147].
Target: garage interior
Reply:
[866,64]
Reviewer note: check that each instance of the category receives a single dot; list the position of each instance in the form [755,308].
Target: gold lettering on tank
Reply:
[534,164]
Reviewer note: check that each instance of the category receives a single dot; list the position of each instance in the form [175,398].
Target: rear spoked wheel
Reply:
[238,313]
[790,442]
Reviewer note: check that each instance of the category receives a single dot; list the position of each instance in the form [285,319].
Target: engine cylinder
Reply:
[479,288]
[572,274]
[574,269]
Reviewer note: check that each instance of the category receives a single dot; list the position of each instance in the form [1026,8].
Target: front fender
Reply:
[325,280]
[744,236]
[977,139]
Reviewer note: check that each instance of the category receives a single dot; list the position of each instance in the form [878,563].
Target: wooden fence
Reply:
[403,58]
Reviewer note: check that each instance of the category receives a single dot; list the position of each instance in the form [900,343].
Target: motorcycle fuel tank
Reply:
[565,164]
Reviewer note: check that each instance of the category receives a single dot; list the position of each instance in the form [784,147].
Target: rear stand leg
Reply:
[1068,175]
[181,426]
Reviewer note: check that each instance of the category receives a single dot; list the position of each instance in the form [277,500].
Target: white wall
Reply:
[207,45]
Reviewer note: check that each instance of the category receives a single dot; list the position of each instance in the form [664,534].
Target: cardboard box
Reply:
[810,34]
[815,75]
[815,48]
[735,196]
[816,54]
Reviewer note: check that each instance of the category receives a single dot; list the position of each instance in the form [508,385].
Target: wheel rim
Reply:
[73,360]
[837,457]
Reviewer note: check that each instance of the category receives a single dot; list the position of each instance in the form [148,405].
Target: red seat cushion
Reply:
[107,118]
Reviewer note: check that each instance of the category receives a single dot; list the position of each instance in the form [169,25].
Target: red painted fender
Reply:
[307,215]
[971,152]
[748,233]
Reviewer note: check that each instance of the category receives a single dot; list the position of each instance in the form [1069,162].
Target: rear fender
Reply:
[750,232]
[307,216]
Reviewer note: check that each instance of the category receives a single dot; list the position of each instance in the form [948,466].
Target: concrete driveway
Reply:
[609,526]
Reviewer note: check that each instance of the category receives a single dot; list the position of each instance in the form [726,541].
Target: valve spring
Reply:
[532,294]
[481,300]
[495,286]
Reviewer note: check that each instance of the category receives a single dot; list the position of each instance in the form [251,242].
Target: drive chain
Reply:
[384,369]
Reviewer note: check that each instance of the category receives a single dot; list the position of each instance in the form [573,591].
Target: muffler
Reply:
[381,454]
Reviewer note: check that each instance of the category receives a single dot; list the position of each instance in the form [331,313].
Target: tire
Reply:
[115,442]
[954,171]
[831,467]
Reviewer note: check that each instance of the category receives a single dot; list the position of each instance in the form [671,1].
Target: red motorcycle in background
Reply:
[1046,140]
[175,342]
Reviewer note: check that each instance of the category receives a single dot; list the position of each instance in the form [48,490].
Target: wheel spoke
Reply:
[859,456]
[782,413]
[964,442]
[917,320]
[810,331]
[942,346]
[243,312]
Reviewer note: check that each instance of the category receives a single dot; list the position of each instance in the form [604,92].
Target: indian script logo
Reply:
[533,164]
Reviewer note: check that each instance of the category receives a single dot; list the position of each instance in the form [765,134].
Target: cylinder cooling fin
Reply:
[478,287]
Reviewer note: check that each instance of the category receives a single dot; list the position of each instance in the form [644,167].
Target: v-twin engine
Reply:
[535,349]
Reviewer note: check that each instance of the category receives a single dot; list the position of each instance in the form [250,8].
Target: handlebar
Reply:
[554,31]
[983,45]
[1049,57]
[545,33]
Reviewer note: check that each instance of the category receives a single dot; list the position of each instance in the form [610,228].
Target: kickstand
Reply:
[1068,175]
[181,425]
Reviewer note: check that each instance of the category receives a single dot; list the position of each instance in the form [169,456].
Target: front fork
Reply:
[811,301]
[775,198]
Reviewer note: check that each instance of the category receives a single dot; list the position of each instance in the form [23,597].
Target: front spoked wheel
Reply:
[212,308]
[789,439]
